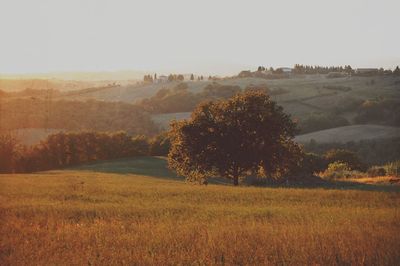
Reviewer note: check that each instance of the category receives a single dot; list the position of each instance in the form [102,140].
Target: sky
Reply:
[185,36]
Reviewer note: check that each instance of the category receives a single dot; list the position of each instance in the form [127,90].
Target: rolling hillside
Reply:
[305,95]
[350,133]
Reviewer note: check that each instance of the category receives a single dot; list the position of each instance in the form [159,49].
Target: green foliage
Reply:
[340,170]
[68,149]
[233,138]
[344,156]
[160,145]
[371,152]
[139,146]
[312,163]
[338,166]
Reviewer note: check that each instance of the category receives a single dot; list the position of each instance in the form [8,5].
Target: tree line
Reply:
[181,99]
[17,113]
[309,69]
[69,149]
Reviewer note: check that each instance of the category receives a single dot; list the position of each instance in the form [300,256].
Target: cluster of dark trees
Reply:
[379,111]
[318,162]
[270,74]
[246,135]
[333,71]
[305,69]
[149,78]
[171,77]
[69,149]
[374,111]
[180,99]
[176,77]
[369,152]
[17,113]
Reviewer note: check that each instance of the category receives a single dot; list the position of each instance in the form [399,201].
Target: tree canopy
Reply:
[244,135]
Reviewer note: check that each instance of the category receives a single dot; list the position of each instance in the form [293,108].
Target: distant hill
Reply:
[81,76]
[313,100]
[306,94]
[350,133]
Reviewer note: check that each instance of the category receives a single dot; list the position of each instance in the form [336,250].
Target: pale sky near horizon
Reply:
[208,36]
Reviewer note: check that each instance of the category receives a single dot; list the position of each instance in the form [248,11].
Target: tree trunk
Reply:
[235,181]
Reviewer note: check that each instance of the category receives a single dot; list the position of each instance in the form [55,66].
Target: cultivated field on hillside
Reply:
[303,96]
[107,217]
[306,95]
[350,133]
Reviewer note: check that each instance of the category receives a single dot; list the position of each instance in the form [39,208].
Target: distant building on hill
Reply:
[287,70]
[161,79]
[366,71]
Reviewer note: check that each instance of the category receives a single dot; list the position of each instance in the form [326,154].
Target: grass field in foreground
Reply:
[82,217]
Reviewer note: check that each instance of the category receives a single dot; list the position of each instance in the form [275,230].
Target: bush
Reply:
[312,163]
[376,171]
[340,170]
[393,169]
[160,145]
[371,152]
[345,156]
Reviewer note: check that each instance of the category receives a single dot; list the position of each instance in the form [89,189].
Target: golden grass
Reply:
[86,218]
[378,180]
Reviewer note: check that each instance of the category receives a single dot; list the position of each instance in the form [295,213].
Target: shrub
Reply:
[393,169]
[376,171]
[345,156]
[312,163]
[339,170]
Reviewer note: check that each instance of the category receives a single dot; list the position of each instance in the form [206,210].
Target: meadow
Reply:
[139,214]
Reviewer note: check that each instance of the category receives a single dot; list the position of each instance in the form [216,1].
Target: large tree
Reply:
[234,138]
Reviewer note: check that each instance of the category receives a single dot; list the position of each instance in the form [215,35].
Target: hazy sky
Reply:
[204,36]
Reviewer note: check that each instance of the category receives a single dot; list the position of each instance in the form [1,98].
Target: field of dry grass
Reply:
[81,217]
